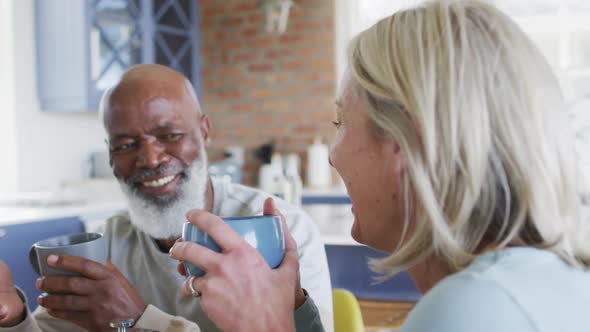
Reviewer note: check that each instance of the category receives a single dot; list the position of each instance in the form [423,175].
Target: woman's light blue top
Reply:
[516,289]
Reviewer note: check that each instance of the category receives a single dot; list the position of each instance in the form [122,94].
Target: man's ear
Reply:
[106,142]
[205,125]
[112,164]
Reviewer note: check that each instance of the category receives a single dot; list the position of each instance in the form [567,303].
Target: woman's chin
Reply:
[355,231]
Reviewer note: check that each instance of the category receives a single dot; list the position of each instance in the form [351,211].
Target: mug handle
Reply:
[33,260]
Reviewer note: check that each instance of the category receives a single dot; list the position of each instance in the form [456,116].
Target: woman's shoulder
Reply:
[499,291]
[467,302]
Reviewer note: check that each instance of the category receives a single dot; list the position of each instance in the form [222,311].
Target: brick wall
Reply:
[258,87]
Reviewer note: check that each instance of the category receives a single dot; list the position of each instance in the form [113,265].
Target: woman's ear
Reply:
[400,158]
[394,157]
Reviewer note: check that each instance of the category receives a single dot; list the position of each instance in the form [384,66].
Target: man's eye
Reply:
[171,137]
[123,147]
[337,123]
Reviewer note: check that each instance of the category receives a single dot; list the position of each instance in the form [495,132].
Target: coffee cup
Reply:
[263,233]
[87,245]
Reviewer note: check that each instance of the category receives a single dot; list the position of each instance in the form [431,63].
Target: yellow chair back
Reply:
[347,312]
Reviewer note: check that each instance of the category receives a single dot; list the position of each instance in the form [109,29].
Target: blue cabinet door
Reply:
[349,270]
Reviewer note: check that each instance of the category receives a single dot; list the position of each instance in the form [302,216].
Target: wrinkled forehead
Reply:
[136,99]
[142,90]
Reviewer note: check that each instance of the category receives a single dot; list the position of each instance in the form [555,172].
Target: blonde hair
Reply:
[481,123]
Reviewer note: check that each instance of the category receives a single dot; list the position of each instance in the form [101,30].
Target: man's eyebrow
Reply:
[165,126]
[121,136]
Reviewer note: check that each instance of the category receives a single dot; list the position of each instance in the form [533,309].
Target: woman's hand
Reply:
[239,290]
[12,308]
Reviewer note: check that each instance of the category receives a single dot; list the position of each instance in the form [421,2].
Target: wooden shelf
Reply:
[380,315]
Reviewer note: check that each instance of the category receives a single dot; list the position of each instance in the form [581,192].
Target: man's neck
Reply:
[165,244]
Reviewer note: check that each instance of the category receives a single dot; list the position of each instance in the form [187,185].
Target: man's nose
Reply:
[151,155]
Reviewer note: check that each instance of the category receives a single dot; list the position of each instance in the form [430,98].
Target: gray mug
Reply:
[87,245]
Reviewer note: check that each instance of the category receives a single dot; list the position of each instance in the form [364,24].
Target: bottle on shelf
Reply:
[272,179]
[318,165]
[294,179]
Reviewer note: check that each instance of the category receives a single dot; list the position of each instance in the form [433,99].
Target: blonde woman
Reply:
[454,147]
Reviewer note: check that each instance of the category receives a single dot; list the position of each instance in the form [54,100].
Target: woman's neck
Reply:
[431,271]
[428,273]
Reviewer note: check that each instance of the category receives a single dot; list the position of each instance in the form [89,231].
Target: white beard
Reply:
[165,222]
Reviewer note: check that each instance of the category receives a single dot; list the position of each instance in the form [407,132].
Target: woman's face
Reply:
[371,167]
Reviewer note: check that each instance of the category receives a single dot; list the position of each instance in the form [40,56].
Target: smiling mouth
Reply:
[159,182]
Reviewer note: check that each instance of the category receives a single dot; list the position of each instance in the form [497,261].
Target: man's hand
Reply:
[100,295]
[12,309]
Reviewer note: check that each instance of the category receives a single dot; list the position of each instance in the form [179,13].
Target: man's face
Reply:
[153,142]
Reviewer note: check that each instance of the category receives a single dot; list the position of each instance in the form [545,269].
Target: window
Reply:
[115,40]
[354,16]
[560,28]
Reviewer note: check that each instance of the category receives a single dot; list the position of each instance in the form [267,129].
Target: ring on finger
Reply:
[191,286]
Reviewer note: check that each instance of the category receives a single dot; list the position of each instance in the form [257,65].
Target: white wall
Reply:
[8,164]
[50,147]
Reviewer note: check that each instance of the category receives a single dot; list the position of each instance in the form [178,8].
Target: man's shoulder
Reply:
[248,200]
[244,193]
[119,223]
[120,219]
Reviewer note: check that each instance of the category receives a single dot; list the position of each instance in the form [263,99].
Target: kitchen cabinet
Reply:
[349,269]
[83,47]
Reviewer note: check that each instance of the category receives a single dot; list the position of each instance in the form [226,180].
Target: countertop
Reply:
[334,221]
[95,200]
[22,214]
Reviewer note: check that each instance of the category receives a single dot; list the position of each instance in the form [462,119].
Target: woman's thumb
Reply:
[3,312]
[269,208]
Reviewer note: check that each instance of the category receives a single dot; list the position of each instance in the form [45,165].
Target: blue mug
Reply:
[263,233]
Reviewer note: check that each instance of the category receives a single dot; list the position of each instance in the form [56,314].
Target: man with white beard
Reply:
[157,136]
